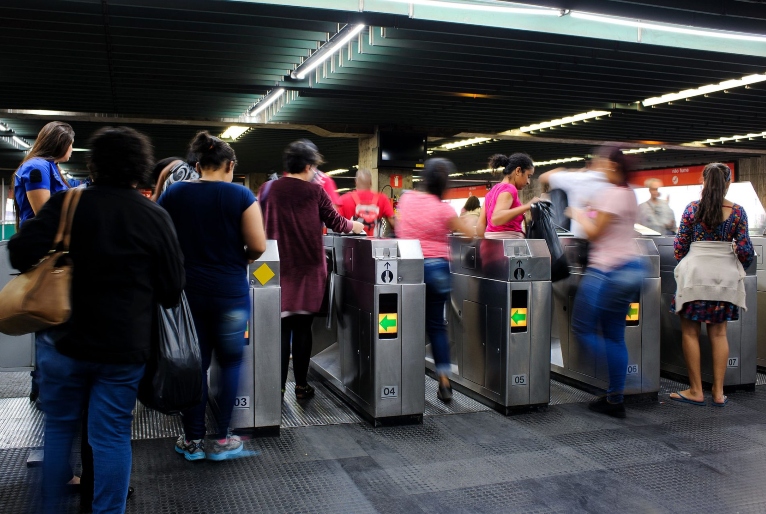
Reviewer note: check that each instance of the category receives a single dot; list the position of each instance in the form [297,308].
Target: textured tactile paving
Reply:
[563,393]
[15,384]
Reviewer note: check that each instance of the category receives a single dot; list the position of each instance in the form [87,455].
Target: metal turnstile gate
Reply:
[742,334]
[258,406]
[17,353]
[499,321]
[573,363]
[759,243]
[379,305]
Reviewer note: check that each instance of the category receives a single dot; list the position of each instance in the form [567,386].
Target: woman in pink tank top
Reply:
[503,212]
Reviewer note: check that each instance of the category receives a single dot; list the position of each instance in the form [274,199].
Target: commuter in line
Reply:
[171,170]
[613,276]
[705,297]
[580,186]
[471,213]
[365,206]
[503,214]
[294,209]
[220,229]
[655,213]
[423,215]
[128,257]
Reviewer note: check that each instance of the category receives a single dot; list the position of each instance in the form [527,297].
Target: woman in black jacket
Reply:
[126,258]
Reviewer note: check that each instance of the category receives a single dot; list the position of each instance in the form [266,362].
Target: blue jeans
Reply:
[220,324]
[437,279]
[602,302]
[109,390]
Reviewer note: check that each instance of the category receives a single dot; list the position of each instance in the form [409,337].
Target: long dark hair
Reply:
[211,152]
[436,175]
[511,162]
[715,178]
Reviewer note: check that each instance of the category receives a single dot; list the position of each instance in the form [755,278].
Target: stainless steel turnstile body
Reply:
[324,330]
[17,353]
[499,321]
[258,406]
[759,243]
[575,363]
[742,334]
[379,306]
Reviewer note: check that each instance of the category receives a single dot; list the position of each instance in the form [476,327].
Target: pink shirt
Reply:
[614,246]
[423,216]
[489,205]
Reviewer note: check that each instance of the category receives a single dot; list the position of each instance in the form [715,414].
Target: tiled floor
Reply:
[665,457]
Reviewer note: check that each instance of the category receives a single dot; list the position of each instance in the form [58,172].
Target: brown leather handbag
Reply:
[41,297]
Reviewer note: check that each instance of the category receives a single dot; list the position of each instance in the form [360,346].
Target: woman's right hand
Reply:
[358,228]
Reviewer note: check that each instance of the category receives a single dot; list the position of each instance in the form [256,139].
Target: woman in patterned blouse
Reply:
[713,218]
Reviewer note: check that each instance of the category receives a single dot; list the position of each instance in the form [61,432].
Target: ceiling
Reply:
[172,68]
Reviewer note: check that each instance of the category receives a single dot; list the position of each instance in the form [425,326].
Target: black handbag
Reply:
[173,378]
[543,228]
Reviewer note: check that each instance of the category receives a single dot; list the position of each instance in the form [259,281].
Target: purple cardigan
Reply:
[293,212]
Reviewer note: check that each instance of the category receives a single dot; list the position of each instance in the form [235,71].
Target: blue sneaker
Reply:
[191,450]
[226,450]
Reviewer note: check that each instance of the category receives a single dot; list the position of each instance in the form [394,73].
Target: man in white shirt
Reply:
[579,185]
[654,213]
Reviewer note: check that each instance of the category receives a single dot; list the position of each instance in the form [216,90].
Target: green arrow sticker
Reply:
[633,311]
[519,315]
[387,322]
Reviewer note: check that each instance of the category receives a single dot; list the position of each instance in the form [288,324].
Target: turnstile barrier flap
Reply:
[379,261]
[650,254]
[508,260]
[264,271]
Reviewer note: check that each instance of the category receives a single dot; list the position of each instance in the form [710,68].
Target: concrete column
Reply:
[753,170]
[368,157]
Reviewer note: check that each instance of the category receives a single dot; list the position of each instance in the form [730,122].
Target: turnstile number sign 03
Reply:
[742,334]
[576,363]
[258,404]
[378,303]
[499,321]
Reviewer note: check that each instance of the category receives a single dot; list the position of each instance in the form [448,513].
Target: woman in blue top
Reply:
[220,228]
[38,176]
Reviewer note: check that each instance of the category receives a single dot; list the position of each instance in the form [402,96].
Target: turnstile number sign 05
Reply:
[17,353]
[499,321]
[258,404]
[742,334]
[576,363]
[378,301]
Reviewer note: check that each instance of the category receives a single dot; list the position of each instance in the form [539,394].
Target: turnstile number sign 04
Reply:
[17,353]
[742,334]
[499,321]
[378,302]
[576,363]
[258,405]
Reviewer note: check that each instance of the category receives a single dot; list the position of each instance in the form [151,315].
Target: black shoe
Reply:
[130,492]
[304,392]
[445,393]
[33,396]
[603,406]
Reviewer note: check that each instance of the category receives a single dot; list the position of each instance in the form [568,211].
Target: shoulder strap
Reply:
[64,232]
[266,189]
[355,196]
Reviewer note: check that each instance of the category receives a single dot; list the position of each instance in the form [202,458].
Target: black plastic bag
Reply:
[543,227]
[172,381]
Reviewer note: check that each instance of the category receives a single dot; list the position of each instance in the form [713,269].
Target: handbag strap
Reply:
[64,232]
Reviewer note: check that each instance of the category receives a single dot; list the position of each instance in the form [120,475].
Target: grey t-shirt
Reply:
[580,187]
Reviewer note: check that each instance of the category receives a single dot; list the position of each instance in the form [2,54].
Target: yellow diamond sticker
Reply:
[632,312]
[387,323]
[518,317]
[263,274]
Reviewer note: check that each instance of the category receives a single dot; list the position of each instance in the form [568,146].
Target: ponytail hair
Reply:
[210,151]
[511,162]
[715,177]
[613,152]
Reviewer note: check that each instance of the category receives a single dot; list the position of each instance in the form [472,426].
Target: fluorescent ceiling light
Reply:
[234,132]
[270,97]
[711,88]
[483,6]
[343,189]
[678,29]
[335,172]
[559,161]
[729,138]
[337,42]
[21,142]
[461,144]
[79,149]
[564,121]
[643,150]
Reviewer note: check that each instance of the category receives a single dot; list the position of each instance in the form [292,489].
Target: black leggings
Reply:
[298,328]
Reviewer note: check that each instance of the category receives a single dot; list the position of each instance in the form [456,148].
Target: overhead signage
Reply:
[677,176]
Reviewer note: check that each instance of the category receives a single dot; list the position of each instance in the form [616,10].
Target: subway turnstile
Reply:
[742,334]
[258,406]
[499,321]
[759,243]
[379,306]
[17,353]
[573,363]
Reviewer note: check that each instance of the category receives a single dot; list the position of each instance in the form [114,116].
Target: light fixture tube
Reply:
[345,35]
[335,172]
[678,29]
[270,97]
[234,132]
[460,144]
[564,121]
[21,142]
[483,6]
[729,138]
[703,90]
[643,150]
[559,161]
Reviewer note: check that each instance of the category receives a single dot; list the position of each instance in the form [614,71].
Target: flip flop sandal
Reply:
[721,404]
[683,399]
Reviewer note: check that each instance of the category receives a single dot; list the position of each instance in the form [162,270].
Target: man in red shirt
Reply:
[365,206]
